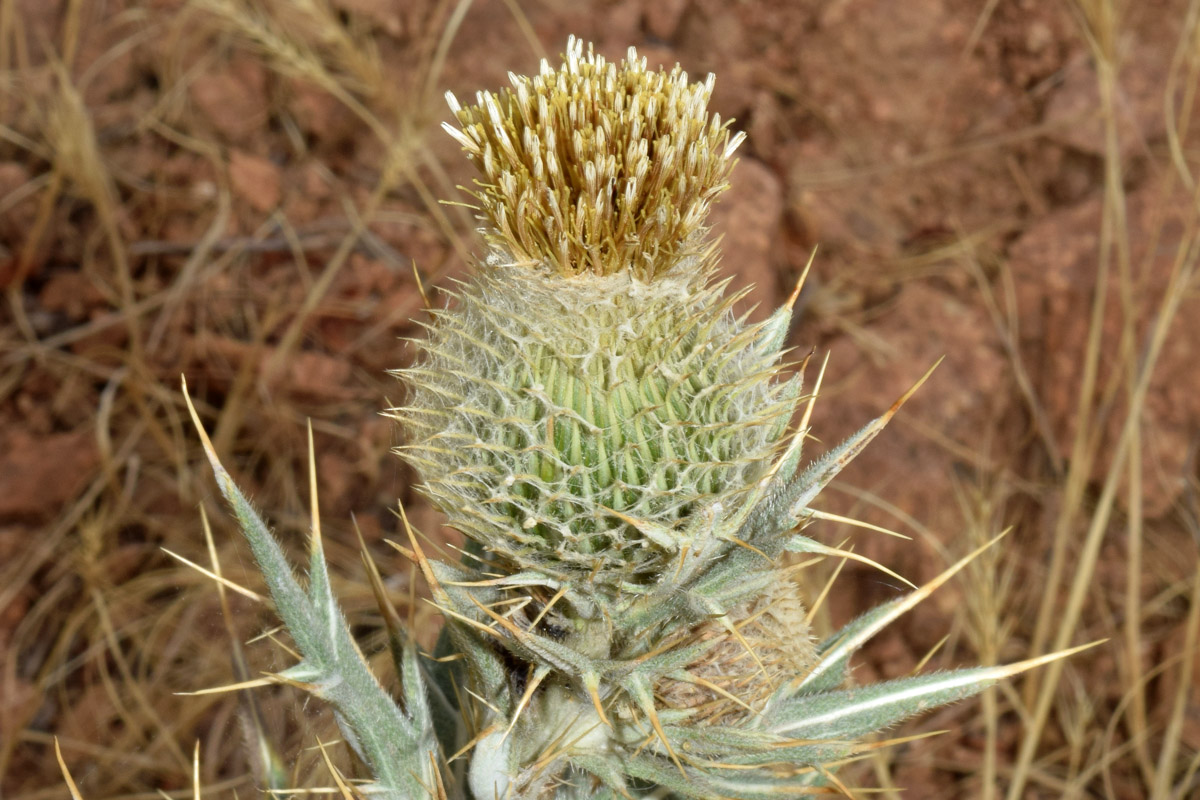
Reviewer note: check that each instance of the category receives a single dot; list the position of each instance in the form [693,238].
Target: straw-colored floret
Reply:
[596,167]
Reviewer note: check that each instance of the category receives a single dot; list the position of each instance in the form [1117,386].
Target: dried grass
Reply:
[111,629]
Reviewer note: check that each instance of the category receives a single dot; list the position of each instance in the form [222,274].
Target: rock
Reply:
[1054,266]
[662,17]
[384,13]
[749,218]
[303,374]
[256,180]
[40,475]
[322,116]
[70,293]
[17,218]
[319,376]
[233,99]
[1076,102]
[909,464]
[111,66]
[39,21]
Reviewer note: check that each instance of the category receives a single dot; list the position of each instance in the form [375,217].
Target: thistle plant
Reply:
[617,447]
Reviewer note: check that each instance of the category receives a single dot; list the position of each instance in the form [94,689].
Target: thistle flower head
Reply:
[588,395]
[597,167]
[577,428]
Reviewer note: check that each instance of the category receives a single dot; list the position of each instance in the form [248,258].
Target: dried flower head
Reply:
[597,167]
[756,649]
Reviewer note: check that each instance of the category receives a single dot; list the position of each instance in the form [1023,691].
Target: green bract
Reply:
[575,426]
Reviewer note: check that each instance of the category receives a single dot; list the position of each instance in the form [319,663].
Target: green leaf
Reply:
[722,783]
[399,747]
[852,713]
[833,662]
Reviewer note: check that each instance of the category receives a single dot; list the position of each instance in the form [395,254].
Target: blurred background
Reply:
[246,191]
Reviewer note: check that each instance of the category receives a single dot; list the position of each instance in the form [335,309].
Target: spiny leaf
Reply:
[835,667]
[835,658]
[803,544]
[742,784]
[851,713]
[400,748]
[818,475]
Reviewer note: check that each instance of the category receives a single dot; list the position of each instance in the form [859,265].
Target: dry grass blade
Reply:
[1165,769]
[120,611]
[66,773]
[134,246]
[1100,22]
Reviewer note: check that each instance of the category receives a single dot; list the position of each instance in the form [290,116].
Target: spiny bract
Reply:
[574,426]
